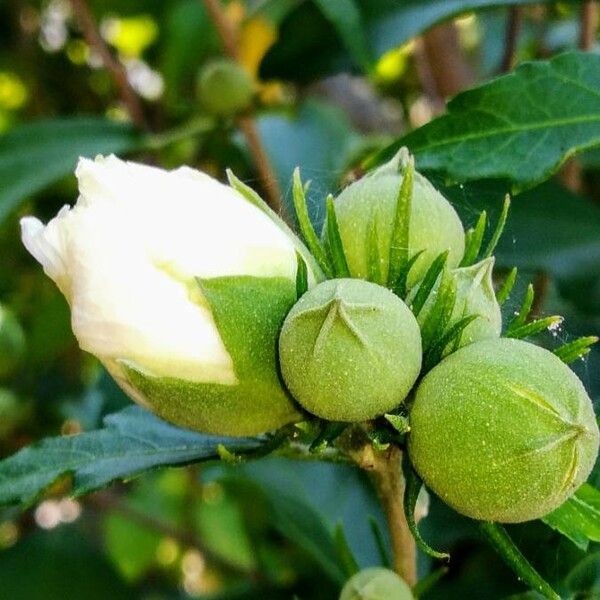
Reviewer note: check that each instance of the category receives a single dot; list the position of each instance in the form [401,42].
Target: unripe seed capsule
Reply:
[434,225]
[376,583]
[350,350]
[502,430]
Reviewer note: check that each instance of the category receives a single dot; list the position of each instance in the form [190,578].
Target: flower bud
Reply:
[434,225]
[474,296]
[12,342]
[376,583]
[502,430]
[179,285]
[224,88]
[350,350]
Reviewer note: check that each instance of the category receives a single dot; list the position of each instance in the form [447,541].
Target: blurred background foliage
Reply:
[331,82]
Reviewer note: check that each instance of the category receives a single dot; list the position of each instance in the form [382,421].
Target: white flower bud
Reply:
[131,256]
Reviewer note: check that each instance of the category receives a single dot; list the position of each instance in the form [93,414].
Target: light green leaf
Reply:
[521,126]
[131,442]
[579,517]
[35,155]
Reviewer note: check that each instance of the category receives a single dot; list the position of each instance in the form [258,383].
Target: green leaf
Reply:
[131,442]
[35,155]
[579,517]
[345,17]
[334,242]
[373,256]
[400,233]
[441,312]
[512,556]
[384,557]
[578,348]
[411,494]
[450,337]
[521,126]
[400,287]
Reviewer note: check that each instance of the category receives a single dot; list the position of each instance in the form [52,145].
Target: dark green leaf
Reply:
[450,337]
[345,17]
[521,126]
[400,286]
[131,442]
[499,228]
[523,312]
[373,256]
[301,276]
[35,155]
[512,556]
[579,517]
[441,312]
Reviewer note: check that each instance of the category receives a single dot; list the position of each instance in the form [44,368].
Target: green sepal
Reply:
[578,348]
[374,273]
[441,312]
[451,337]
[399,422]
[344,552]
[248,312]
[534,327]
[301,276]
[512,556]
[335,246]
[251,196]
[473,241]
[400,287]
[425,287]
[384,557]
[507,286]
[411,494]
[499,228]
[523,312]
[305,224]
[401,230]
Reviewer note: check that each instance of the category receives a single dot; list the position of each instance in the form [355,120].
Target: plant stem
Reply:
[589,24]
[385,469]
[90,31]
[228,37]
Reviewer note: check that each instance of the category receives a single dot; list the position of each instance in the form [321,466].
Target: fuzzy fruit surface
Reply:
[434,225]
[502,430]
[224,88]
[376,583]
[350,350]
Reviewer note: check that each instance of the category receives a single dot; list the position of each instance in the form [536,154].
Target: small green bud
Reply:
[376,583]
[224,88]
[350,350]
[434,225]
[12,342]
[502,430]
[474,296]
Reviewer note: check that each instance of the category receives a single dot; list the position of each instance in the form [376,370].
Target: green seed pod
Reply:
[370,205]
[474,296]
[224,88]
[376,583]
[502,430]
[12,342]
[350,350]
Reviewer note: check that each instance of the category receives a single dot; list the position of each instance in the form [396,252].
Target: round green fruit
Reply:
[224,88]
[12,342]
[376,583]
[371,203]
[502,430]
[350,350]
